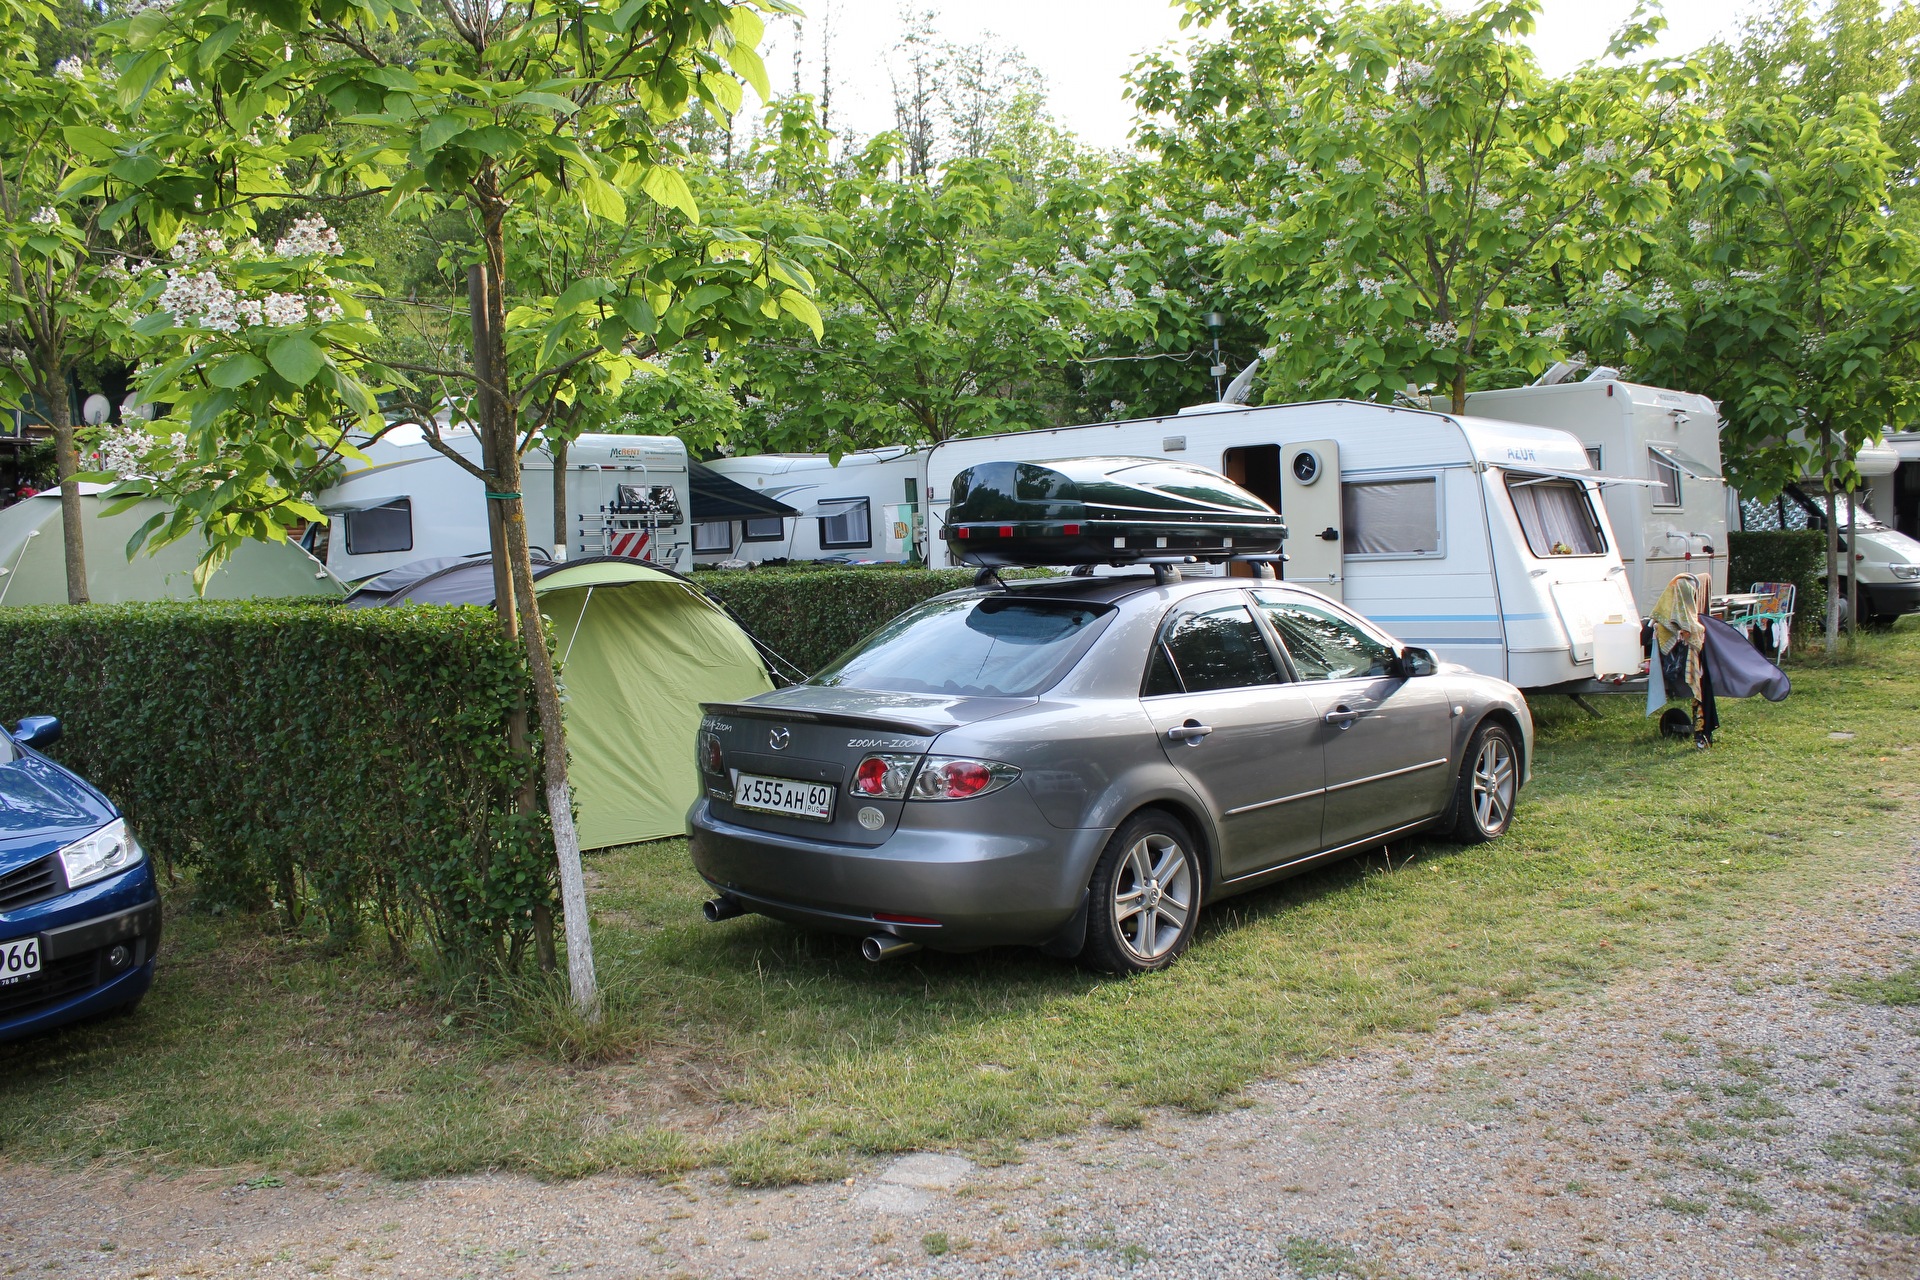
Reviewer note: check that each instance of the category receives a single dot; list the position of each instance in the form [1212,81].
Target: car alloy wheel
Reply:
[1494,782]
[1152,897]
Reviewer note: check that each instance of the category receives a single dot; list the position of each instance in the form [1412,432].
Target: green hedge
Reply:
[811,616]
[1796,556]
[349,761]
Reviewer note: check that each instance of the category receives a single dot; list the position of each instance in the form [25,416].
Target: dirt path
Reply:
[1732,1120]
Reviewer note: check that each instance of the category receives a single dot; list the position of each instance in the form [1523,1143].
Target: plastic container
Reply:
[1616,647]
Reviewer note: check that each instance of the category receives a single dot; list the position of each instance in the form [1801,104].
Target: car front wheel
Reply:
[1489,785]
[1144,898]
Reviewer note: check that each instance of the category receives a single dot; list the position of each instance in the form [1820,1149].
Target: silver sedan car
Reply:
[1081,763]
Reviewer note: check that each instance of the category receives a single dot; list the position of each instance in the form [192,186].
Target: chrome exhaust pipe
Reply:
[721,908]
[884,946]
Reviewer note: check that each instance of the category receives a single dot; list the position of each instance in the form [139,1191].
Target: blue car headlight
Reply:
[108,851]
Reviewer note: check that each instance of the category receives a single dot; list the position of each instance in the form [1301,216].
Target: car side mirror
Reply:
[1417,662]
[37,731]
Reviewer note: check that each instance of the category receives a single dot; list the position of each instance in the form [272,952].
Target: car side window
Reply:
[1207,649]
[1324,645]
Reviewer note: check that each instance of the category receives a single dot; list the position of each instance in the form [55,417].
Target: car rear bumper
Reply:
[88,966]
[1018,883]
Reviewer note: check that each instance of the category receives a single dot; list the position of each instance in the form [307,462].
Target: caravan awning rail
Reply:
[1543,474]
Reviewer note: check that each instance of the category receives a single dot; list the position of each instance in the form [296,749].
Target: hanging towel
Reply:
[1677,634]
[1739,670]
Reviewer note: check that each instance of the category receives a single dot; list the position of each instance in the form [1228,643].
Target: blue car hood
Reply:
[42,807]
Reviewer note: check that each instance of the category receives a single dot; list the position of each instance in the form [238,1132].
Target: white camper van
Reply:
[626,495]
[1485,541]
[1675,524]
[863,508]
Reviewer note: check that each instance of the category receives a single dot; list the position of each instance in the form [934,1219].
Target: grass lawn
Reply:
[783,1056]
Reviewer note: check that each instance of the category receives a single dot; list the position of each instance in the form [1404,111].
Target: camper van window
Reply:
[1668,494]
[848,526]
[1211,649]
[765,529]
[1556,516]
[1322,644]
[713,535]
[378,529]
[1593,457]
[1392,517]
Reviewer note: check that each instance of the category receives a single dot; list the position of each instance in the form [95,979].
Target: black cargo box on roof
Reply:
[1073,511]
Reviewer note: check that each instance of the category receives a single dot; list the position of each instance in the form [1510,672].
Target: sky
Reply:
[1084,47]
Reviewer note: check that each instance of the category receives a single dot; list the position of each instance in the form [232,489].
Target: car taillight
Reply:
[957,778]
[710,758]
[884,776]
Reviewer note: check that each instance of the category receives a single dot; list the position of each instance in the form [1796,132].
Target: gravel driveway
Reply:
[1736,1118]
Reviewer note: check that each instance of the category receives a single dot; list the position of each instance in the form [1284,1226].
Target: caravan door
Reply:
[1310,500]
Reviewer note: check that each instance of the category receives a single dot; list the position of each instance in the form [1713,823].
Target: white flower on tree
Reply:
[45,216]
[308,237]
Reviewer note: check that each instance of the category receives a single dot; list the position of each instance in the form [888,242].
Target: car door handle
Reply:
[1342,715]
[1190,733]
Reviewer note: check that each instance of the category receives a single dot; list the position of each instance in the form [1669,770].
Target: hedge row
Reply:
[1796,556]
[350,761]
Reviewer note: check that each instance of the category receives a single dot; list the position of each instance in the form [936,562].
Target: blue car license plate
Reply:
[19,960]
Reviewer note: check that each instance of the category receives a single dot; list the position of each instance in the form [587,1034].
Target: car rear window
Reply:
[997,646]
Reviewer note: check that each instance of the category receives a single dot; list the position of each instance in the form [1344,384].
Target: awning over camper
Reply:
[1543,474]
[715,497]
[1688,466]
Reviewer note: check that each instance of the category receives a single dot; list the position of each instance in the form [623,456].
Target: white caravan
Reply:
[1675,524]
[626,495]
[1484,541]
[862,509]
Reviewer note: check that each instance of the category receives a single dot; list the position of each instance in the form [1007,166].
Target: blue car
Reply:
[79,909]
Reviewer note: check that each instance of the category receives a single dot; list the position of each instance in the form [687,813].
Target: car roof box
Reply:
[1074,511]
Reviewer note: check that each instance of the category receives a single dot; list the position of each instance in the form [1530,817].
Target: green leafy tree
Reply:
[1401,194]
[948,307]
[1788,296]
[529,120]
[62,303]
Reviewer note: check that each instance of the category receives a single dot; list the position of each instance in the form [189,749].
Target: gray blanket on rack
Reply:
[1739,670]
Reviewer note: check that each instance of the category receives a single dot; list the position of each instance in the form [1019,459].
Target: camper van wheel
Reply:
[1489,785]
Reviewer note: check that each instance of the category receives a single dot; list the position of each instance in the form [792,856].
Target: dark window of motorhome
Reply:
[1392,517]
[713,535]
[847,526]
[1664,470]
[378,529]
[765,529]
[1556,515]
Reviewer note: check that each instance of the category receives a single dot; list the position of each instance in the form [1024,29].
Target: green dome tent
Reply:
[33,559]
[640,649]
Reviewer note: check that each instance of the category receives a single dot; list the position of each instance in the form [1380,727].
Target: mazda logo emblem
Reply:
[778,738]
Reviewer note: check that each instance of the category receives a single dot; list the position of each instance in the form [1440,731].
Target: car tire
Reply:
[1489,786]
[1145,896]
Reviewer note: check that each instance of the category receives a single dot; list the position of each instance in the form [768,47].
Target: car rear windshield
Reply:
[999,646]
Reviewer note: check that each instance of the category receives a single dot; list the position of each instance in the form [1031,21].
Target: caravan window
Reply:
[765,529]
[1392,517]
[713,535]
[1556,516]
[378,529]
[1668,474]
[847,526]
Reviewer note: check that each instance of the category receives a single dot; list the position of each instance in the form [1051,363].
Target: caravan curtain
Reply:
[1392,517]
[1556,517]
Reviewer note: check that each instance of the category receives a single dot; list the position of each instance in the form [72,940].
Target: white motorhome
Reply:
[1675,525]
[626,495]
[863,508]
[1485,541]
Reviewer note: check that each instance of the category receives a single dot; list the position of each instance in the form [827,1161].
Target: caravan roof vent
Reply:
[1075,511]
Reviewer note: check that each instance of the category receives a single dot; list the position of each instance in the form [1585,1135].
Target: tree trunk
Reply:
[1458,388]
[560,513]
[1833,550]
[66,461]
[500,442]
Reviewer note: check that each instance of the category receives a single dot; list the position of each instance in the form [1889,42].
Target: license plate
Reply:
[19,959]
[813,800]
